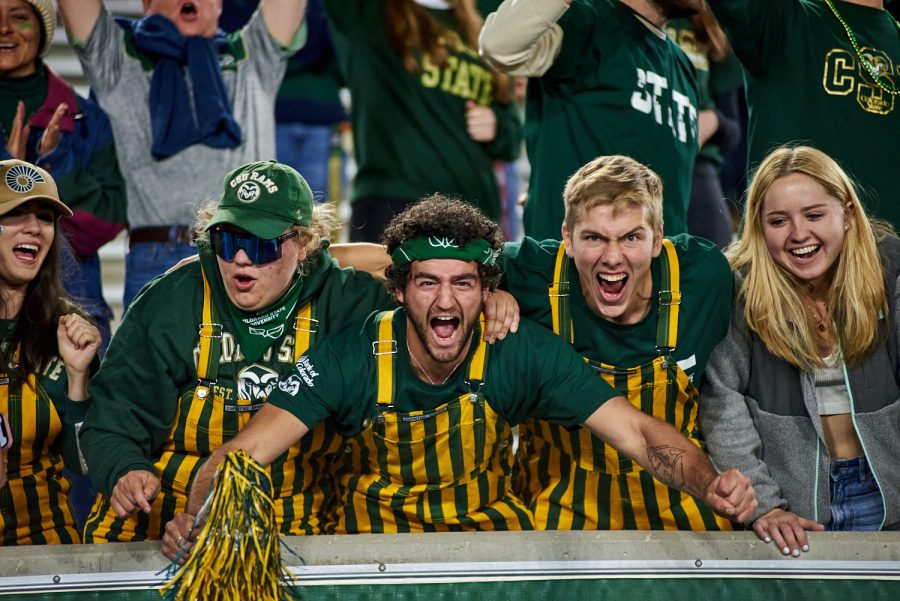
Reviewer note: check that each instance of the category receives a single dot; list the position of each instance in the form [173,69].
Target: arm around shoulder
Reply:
[523,37]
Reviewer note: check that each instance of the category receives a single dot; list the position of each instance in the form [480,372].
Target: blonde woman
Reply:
[802,395]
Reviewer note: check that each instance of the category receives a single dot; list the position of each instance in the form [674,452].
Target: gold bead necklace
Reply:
[879,81]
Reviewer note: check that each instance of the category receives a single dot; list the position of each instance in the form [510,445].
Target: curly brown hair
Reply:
[442,216]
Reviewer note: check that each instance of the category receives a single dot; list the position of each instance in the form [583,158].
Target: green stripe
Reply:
[33,505]
[604,501]
[373,507]
[57,509]
[651,507]
[563,468]
[396,505]
[579,490]
[681,518]
[404,451]
[461,497]
[457,453]
[170,470]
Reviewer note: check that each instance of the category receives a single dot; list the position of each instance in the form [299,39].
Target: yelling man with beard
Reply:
[606,79]
[430,406]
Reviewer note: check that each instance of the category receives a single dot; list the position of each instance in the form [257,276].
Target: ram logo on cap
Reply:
[22,178]
[248,192]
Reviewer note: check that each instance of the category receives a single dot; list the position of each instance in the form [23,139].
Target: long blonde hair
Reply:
[773,297]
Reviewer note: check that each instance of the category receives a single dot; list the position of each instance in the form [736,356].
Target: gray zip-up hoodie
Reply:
[759,414]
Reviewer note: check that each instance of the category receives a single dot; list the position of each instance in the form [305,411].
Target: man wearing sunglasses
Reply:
[263,289]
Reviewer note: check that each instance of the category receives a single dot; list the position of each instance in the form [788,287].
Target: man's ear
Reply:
[567,239]
[657,241]
[398,294]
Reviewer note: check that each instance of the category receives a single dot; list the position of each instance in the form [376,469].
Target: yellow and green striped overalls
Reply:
[34,505]
[443,469]
[571,479]
[203,424]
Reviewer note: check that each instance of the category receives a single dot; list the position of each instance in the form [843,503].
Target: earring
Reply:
[846,226]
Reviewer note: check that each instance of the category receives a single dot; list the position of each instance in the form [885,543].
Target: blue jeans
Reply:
[307,149]
[147,260]
[856,502]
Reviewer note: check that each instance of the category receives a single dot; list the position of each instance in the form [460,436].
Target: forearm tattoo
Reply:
[667,465]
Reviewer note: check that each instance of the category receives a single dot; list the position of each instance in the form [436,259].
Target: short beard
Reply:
[676,9]
[422,332]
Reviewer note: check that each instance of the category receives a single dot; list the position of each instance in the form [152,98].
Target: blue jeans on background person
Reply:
[306,148]
[83,282]
[856,502]
[146,260]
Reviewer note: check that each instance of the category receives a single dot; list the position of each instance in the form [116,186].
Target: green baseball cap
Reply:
[265,199]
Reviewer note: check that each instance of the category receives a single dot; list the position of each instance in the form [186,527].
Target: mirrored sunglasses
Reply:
[259,250]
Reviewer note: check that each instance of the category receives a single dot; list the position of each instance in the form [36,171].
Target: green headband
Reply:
[433,247]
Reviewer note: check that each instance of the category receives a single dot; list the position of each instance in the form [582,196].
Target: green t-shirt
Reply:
[616,88]
[805,84]
[704,312]
[150,369]
[409,129]
[529,374]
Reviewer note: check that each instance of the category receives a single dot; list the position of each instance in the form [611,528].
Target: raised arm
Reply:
[522,37]
[79,17]
[270,433]
[672,459]
[283,18]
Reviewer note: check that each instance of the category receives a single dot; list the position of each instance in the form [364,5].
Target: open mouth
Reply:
[188,9]
[26,252]
[806,252]
[611,284]
[444,328]
[243,282]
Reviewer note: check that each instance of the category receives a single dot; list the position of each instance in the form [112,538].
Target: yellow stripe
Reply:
[303,335]
[554,289]
[476,367]
[675,287]
[385,358]
[206,331]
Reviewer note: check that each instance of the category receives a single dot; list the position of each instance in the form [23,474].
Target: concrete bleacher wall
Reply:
[738,562]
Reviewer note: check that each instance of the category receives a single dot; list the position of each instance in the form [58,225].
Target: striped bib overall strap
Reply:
[305,329]
[36,509]
[667,303]
[385,351]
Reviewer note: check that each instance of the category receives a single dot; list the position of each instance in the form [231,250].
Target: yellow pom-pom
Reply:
[237,553]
